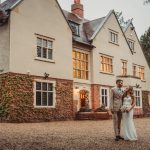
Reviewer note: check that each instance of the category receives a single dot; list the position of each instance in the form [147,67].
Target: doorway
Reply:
[84,98]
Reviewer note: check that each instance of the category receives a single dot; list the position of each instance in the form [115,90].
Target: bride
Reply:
[127,109]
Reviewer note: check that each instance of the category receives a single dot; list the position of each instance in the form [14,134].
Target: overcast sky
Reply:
[130,9]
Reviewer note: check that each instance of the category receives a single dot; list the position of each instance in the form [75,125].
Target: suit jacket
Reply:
[116,99]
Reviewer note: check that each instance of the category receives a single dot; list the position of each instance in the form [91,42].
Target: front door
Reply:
[84,98]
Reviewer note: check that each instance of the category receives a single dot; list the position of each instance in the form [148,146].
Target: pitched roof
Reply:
[92,26]
[6,5]
[86,27]
[10,4]
[4,10]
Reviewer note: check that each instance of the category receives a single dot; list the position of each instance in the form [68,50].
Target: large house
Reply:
[54,62]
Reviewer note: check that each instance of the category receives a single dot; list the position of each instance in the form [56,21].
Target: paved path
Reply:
[70,135]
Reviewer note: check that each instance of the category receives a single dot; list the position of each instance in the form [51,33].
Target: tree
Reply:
[145,43]
[146,1]
[121,19]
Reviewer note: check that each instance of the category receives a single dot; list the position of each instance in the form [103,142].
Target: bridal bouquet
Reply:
[124,108]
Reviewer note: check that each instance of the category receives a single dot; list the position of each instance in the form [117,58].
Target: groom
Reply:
[115,105]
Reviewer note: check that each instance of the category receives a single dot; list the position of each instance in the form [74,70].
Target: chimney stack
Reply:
[77,8]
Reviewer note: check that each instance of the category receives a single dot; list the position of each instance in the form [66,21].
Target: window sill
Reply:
[114,43]
[106,73]
[81,81]
[44,60]
[41,107]
[138,107]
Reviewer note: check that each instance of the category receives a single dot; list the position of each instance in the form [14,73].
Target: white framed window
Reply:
[141,72]
[124,68]
[104,96]
[44,93]
[113,37]
[44,48]
[134,70]
[138,97]
[131,44]
[75,28]
[106,64]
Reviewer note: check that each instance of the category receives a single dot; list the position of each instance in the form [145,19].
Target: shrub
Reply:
[101,109]
[83,109]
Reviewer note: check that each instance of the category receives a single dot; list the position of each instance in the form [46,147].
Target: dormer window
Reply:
[75,28]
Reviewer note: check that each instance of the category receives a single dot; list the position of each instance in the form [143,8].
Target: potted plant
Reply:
[101,113]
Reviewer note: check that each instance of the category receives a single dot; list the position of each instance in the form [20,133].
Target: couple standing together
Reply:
[121,105]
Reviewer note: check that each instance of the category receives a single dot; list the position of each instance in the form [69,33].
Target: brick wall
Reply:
[95,96]
[146,106]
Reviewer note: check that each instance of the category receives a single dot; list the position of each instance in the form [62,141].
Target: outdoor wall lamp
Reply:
[46,75]
[137,85]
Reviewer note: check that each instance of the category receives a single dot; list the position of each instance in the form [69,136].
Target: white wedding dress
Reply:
[129,130]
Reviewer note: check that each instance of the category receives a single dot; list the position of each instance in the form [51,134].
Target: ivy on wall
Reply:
[16,97]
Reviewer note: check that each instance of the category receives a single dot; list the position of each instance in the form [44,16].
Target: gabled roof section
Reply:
[101,24]
[86,27]
[5,8]
[8,5]
[126,28]
[92,26]
[82,38]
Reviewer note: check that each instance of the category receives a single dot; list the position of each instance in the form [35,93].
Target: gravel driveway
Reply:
[70,135]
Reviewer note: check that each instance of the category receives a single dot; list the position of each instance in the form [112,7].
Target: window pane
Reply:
[49,44]
[49,54]
[86,66]
[50,99]
[38,98]
[82,74]
[38,85]
[105,92]
[45,43]
[87,75]
[50,86]
[102,91]
[103,99]
[138,102]
[39,42]
[82,56]
[79,65]
[86,57]
[74,73]
[79,74]
[44,53]
[39,52]
[44,99]
[44,86]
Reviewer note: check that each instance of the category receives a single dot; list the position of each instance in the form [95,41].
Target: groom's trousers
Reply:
[116,116]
